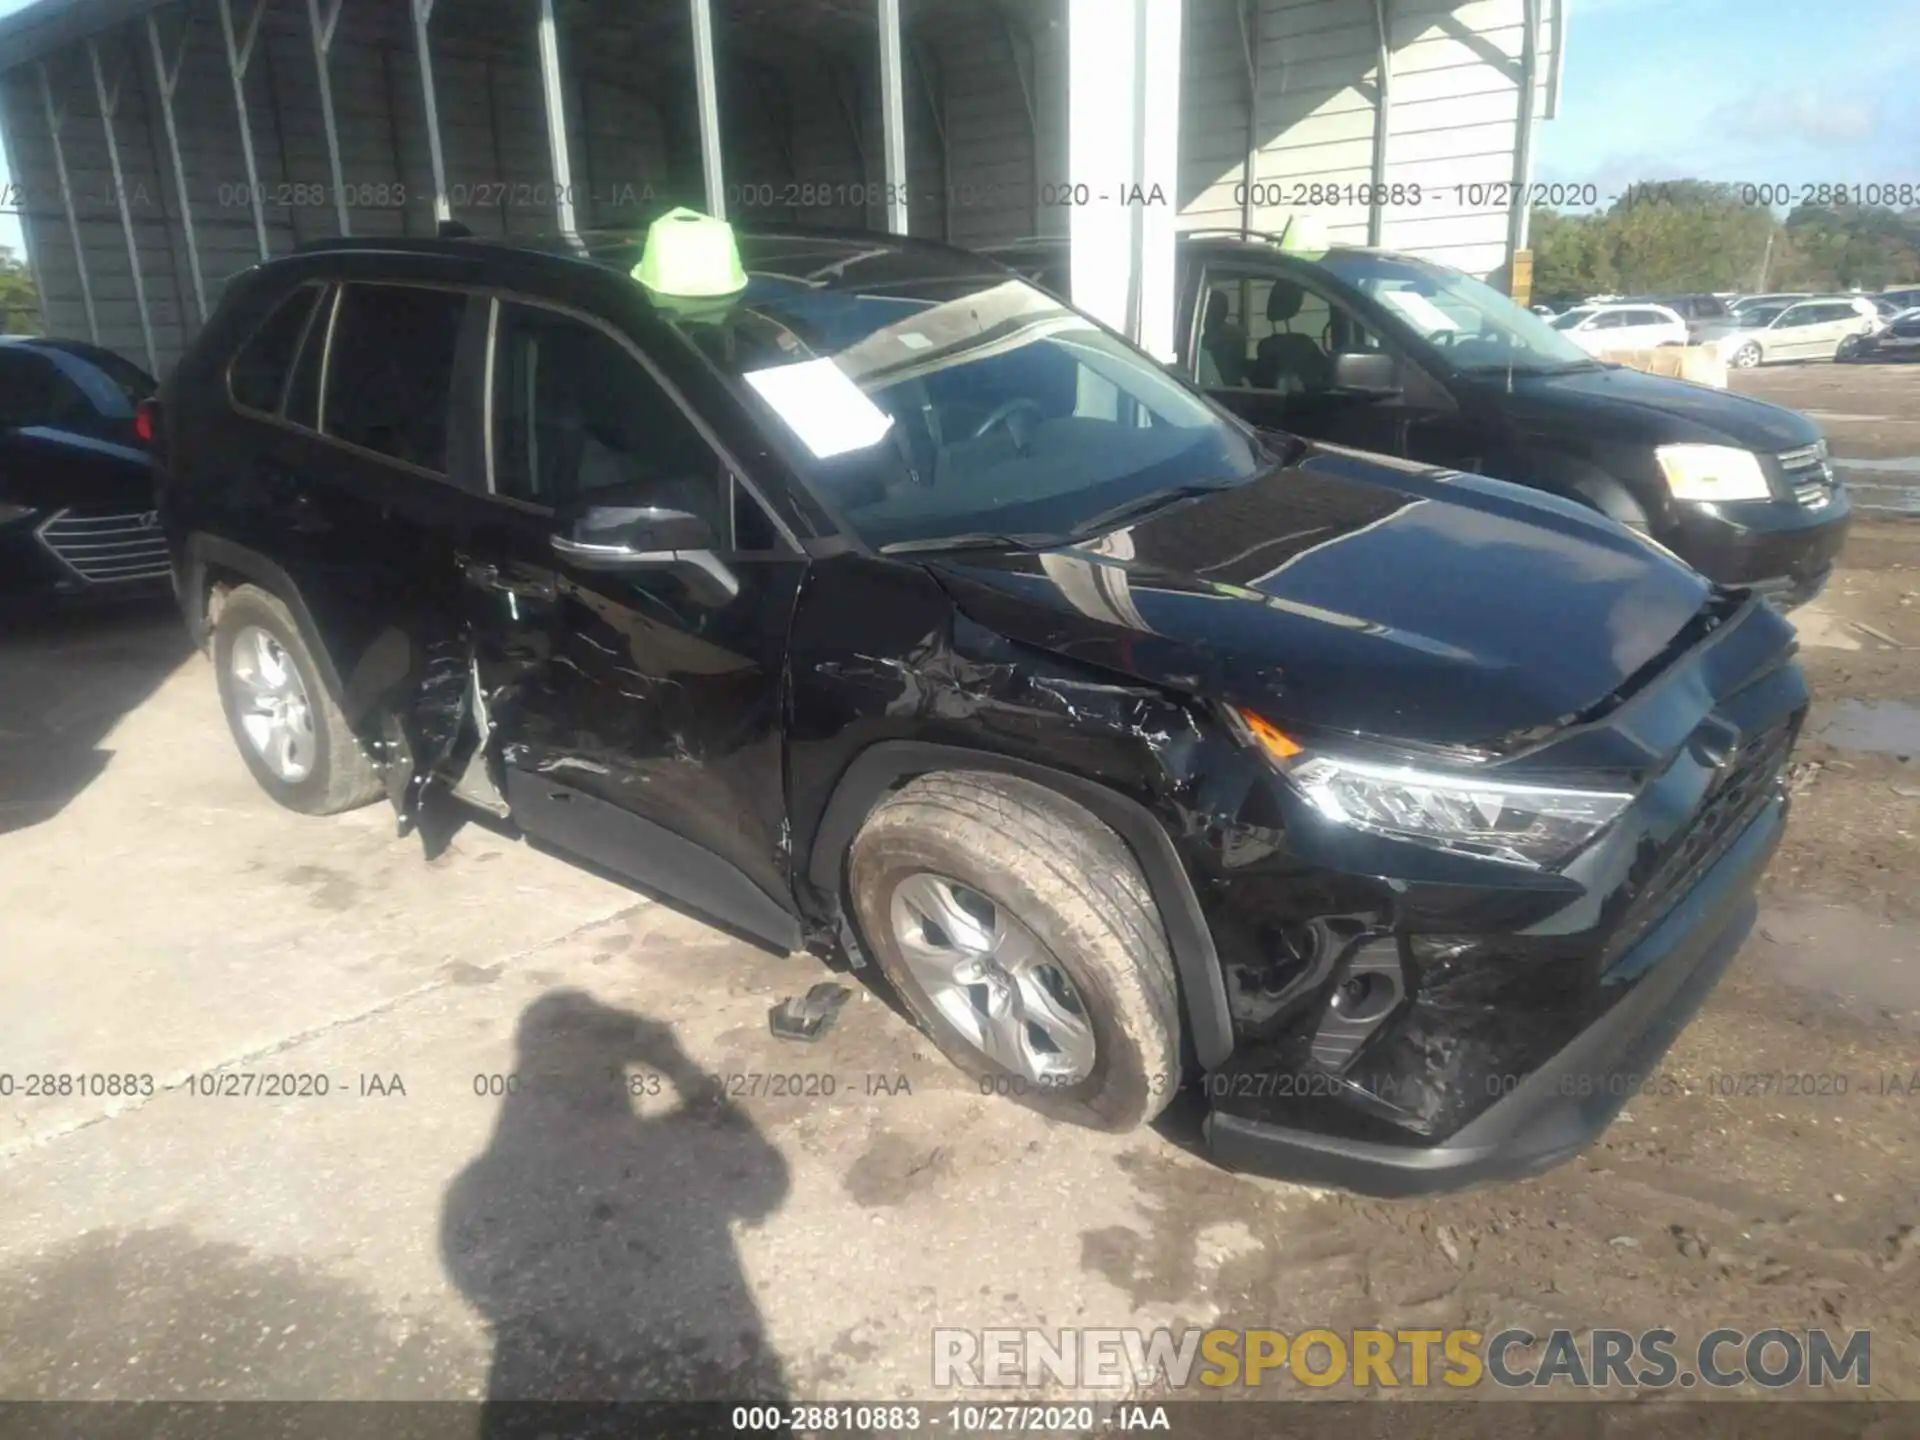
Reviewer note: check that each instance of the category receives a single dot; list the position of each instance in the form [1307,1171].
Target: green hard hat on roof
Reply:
[1305,235]
[692,256]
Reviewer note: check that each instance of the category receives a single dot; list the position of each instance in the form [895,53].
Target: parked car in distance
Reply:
[1696,310]
[1906,297]
[1827,327]
[1597,329]
[830,605]
[1410,358]
[1772,297]
[1897,340]
[77,513]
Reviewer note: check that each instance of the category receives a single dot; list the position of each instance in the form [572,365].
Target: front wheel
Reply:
[1746,357]
[1021,937]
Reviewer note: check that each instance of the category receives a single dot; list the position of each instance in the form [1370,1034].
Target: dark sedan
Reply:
[1900,340]
[76,479]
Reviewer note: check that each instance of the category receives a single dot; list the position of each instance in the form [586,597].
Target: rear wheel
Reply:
[1847,349]
[1746,357]
[1020,935]
[287,727]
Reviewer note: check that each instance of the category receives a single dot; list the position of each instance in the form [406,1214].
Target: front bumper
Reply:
[1561,1107]
[1780,548]
[1406,1020]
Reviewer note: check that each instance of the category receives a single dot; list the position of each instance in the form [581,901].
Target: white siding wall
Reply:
[1455,102]
[1006,165]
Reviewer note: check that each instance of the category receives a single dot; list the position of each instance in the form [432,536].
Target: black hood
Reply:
[1348,593]
[1651,409]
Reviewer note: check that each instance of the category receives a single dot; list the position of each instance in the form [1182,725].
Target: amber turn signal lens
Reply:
[1278,743]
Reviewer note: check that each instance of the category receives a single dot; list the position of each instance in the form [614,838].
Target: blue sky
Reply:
[1743,90]
[1767,91]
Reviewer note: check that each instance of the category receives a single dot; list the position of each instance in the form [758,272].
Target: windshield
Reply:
[1756,317]
[1474,326]
[1569,320]
[964,406]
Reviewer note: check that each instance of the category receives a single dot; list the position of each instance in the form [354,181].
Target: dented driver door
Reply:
[634,715]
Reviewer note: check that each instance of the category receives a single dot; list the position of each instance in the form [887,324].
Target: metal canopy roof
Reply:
[655,34]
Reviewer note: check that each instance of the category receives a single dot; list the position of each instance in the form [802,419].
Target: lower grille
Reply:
[106,547]
[1749,780]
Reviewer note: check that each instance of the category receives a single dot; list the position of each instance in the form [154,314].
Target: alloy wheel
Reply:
[990,977]
[271,704]
[1747,356]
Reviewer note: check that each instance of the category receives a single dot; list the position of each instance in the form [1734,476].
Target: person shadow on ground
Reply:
[594,1232]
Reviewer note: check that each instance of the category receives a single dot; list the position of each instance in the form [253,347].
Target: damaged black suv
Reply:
[891,608]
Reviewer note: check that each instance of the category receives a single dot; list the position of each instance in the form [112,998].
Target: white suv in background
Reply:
[1597,329]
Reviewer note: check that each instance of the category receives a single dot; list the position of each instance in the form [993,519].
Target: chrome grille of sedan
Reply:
[108,546]
[1807,472]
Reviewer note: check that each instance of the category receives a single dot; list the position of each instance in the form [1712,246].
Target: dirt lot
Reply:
[412,1233]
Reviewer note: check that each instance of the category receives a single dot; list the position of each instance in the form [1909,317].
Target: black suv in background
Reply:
[77,513]
[890,607]
[1399,355]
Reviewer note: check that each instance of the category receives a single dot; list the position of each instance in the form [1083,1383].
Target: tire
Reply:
[1074,887]
[1848,349]
[338,775]
[1746,357]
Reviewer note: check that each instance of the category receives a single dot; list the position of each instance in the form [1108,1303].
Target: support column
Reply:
[1123,131]
[1023,72]
[55,118]
[1249,15]
[239,57]
[556,119]
[937,108]
[893,117]
[1518,213]
[423,52]
[167,79]
[322,27]
[109,103]
[1382,116]
[707,90]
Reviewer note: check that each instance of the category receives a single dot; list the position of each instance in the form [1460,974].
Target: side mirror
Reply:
[1366,372]
[606,531]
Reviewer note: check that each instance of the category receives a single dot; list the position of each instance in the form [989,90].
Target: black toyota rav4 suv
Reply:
[891,608]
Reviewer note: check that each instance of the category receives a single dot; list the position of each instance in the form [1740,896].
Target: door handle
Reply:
[486,576]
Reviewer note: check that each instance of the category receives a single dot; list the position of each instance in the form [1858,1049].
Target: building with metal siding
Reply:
[1273,95]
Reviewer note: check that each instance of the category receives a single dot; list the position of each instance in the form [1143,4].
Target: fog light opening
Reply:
[1365,996]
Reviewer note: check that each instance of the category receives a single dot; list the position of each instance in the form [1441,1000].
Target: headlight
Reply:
[1712,472]
[13,512]
[1530,825]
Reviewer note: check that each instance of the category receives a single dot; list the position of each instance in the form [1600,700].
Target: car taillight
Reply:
[146,421]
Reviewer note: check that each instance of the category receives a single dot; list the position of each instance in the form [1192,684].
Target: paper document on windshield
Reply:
[1420,310]
[829,413]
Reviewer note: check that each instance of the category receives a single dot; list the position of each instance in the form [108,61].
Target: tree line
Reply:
[19,300]
[1682,236]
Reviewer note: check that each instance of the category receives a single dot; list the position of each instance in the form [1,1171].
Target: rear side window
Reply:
[390,370]
[258,378]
